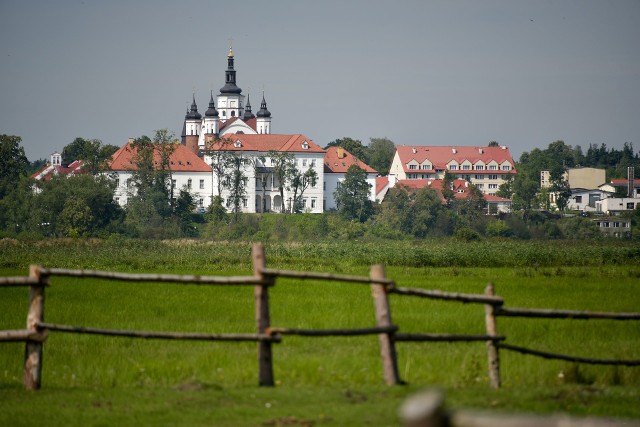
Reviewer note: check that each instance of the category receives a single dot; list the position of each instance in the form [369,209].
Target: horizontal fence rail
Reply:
[428,409]
[263,278]
[165,278]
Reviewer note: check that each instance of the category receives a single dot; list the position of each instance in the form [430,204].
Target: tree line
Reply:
[83,205]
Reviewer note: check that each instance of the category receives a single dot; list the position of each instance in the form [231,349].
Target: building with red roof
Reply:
[263,189]
[55,168]
[337,162]
[187,171]
[486,167]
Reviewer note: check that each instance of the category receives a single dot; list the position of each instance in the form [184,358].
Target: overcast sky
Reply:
[523,73]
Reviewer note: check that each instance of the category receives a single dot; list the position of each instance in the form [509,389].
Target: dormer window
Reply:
[305,145]
[237,144]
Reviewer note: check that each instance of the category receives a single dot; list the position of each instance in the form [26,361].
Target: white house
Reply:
[337,161]
[615,206]
[188,171]
[263,189]
[585,200]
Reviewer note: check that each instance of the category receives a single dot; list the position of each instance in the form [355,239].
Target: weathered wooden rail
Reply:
[428,409]
[37,330]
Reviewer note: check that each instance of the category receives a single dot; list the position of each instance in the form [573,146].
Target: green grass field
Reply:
[92,380]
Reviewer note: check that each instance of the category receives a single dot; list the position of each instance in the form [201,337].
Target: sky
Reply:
[460,72]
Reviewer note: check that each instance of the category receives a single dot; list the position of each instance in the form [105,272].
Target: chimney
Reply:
[480,150]
[453,150]
[630,174]
[414,150]
[130,141]
[340,152]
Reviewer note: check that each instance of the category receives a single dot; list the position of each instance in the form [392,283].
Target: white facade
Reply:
[613,205]
[333,180]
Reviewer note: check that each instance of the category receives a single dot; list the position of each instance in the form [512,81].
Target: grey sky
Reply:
[523,73]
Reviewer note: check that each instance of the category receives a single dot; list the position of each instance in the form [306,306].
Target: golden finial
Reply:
[230,47]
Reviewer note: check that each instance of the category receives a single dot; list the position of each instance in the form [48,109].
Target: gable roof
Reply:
[250,122]
[49,171]
[440,156]
[268,142]
[338,160]
[181,160]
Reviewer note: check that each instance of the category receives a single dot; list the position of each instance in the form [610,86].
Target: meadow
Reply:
[92,380]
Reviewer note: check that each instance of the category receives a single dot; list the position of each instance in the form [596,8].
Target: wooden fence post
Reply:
[383,318]
[263,321]
[492,346]
[33,348]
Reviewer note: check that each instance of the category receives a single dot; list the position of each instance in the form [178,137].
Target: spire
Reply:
[211,112]
[263,108]
[247,111]
[193,114]
[230,77]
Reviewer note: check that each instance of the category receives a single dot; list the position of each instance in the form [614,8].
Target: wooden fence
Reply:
[428,409]
[37,330]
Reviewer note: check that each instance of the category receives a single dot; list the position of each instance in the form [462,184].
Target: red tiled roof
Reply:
[381,183]
[182,160]
[48,172]
[440,156]
[624,182]
[338,160]
[268,142]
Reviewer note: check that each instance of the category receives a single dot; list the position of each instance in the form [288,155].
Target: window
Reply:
[189,184]
[453,167]
[630,205]
[426,166]
[493,186]
[578,199]
[506,168]
[493,168]
[304,162]
[466,167]
[201,202]
[493,176]
[117,182]
[244,203]
[118,200]
[202,184]
[479,167]
[305,145]
[313,163]
[412,176]
[304,203]
[479,176]
[413,167]
[173,183]
[128,182]
[480,186]
[313,203]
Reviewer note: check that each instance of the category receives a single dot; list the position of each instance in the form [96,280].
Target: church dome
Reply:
[211,112]
[193,113]
[263,109]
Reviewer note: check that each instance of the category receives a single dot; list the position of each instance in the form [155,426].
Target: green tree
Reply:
[282,163]
[352,196]
[237,183]
[185,204]
[300,181]
[13,162]
[447,187]
[218,150]
[91,151]
[380,154]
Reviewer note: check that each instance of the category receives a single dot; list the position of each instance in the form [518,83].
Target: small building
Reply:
[585,200]
[55,167]
[615,205]
[615,227]
[337,162]
[588,178]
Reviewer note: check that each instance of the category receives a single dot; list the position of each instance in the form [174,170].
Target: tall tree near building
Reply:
[217,149]
[91,151]
[237,183]
[299,182]
[13,163]
[381,152]
[282,163]
[352,196]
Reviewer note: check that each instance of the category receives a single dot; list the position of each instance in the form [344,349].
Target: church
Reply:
[226,114]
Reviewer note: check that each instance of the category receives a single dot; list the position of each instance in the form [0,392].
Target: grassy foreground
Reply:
[89,380]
